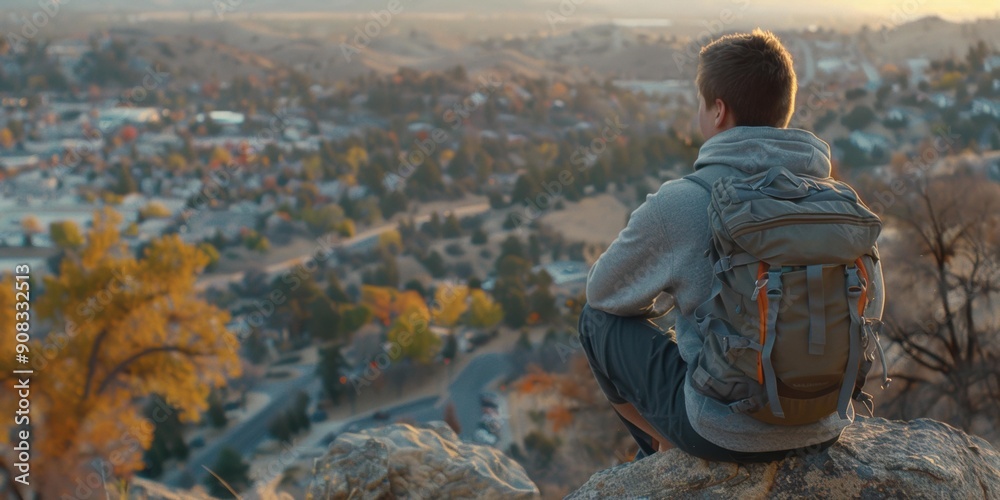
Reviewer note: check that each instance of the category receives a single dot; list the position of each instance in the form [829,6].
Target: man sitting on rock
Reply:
[728,393]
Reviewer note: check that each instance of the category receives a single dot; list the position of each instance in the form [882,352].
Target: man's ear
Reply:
[721,114]
[724,117]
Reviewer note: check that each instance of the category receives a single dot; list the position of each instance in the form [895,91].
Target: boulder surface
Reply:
[874,458]
[421,462]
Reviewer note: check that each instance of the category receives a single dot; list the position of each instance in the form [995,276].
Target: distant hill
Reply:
[287,5]
[934,38]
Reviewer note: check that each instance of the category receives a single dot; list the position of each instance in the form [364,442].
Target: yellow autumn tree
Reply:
[379,300]
[450,303]
[390,241]
[355,157]
[484,312]
[126,328]
[220,156]
[154,210]
[6,138]
[412,333]
[409,301]
[387,303]
[31,225]
[446,156]
[66,234]
[408,317]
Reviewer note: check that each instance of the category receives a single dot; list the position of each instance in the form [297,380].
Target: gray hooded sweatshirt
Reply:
[662,249]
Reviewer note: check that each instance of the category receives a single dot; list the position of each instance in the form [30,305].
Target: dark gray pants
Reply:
[636,363]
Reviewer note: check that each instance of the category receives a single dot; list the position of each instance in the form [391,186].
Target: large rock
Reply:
[874,458]
[422,462]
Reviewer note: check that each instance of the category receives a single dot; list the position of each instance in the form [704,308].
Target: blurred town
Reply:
[400,229]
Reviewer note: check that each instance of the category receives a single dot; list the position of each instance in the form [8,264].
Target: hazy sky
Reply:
[911,9]
[892,11]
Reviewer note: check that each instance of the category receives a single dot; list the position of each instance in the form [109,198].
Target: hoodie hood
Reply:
[756,149]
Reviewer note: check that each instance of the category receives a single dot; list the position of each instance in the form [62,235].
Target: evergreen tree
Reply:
[450,349]
[433,227]
[479,237]
[452,228]
[435,264]
[230,468]
[216,411]
[332,371]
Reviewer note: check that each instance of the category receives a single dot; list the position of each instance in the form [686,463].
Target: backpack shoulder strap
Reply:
[699,181]
[707,175]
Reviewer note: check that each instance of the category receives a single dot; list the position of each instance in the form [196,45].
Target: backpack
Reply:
[785,335]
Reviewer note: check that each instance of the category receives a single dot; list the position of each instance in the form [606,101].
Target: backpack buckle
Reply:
[730,342]
[866,400]
[758,285]
[743,406]
[773,283]
[873,327]
[854,285]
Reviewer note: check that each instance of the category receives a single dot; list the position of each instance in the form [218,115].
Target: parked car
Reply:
[318,416]
[491,425]
[483,436]
[489,400]
[479,337]
[327,439]
[381,415]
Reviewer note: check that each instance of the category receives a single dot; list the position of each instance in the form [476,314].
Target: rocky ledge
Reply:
[405,461]
[874,458]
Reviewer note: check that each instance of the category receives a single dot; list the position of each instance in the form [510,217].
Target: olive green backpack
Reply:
[786,336]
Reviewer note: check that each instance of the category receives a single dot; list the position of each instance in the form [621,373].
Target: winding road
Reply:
[366,239]
[245,436]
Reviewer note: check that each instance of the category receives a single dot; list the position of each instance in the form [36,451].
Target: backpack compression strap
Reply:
[855,290]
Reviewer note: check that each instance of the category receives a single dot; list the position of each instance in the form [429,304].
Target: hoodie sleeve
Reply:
[628,276]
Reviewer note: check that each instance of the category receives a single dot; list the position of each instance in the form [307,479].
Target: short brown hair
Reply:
[753,74]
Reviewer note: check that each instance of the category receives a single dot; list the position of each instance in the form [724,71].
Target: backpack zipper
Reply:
[792,219]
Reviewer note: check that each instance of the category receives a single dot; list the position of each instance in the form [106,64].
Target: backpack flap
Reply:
[789,220]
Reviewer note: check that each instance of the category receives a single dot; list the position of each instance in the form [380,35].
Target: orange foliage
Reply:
[535,381]
[388,303]
[559,417]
